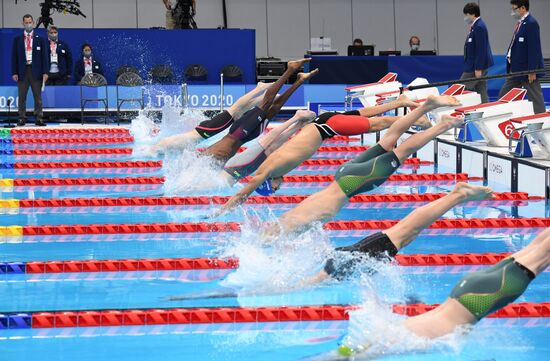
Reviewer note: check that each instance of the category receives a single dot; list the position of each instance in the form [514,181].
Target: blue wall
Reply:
[143,48]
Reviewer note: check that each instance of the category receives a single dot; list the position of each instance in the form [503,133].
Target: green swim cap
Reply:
[345,350]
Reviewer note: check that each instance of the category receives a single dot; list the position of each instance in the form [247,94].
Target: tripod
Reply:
[10,120]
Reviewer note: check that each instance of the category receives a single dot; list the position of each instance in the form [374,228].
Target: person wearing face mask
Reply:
[87,64]
[525,54]
[29,68]
[61,60]
[414,43]
[478,56]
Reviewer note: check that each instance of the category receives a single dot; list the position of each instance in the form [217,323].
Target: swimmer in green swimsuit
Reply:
[382,246]
[474,297]
[370,169]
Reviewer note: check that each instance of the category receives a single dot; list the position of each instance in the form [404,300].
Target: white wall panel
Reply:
[373,22]
[334,19]
[283,27]
[13,14]
[116,13]
[541,11]
[209,14]
[496,14]
[452,31]
[250,14]
[418,18]
[150,14]
[288,28]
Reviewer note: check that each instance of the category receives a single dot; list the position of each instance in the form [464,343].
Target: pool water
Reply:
[492,339]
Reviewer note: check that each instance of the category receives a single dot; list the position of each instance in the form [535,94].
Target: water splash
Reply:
[280,267]
[146,130]
[189,172]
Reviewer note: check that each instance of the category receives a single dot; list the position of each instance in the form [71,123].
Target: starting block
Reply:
[493,119]
[465,97]
[533,130]
[366,93]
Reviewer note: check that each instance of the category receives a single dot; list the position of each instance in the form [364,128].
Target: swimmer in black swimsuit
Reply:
[474,297]
[383,245]
[254,122]
[210,127]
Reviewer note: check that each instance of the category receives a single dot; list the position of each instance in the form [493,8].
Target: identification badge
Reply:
[521,40]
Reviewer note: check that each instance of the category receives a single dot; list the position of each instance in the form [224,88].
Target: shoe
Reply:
[21,122]
[40,123]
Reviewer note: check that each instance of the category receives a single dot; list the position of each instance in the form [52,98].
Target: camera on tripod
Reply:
[62,6]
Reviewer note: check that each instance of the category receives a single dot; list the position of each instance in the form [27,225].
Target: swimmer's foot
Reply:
[452,122]
[306,76]
[470,192]
[434,102]
[261,86]
[423,123]
[404,101]
[296,65]
[305,115]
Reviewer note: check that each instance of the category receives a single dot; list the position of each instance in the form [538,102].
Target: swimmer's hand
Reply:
[327,356]
[150,151]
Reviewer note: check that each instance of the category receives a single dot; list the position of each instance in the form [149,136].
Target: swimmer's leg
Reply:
[400,102]
[421,218]
[247,101]
[174,142]
[398,128]
[271,93]
[484,292]
[272,140]
[418,140]
[278,103]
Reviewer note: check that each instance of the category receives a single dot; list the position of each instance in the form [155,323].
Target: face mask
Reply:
[87,54]
[515,14]
[28,27]
[415,47]
[52,37]
[468,20]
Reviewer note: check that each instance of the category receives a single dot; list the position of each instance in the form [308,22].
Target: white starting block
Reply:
[492,120]
[465,97]
[366,93]
[532,130]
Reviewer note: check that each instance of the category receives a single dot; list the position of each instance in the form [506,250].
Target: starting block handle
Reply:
[462,81]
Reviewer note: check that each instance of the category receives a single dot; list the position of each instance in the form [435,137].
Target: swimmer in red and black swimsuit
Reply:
[310,138]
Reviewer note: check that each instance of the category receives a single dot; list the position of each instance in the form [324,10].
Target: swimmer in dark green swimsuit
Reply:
[474,297]
[370,169]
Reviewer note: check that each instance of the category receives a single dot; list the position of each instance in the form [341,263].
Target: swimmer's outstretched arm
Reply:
[221,293]
[241,196]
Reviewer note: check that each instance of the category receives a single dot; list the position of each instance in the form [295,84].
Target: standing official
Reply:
[29,68]
[478,56]
[524,54]
[61,60]
[87,64]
